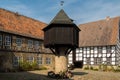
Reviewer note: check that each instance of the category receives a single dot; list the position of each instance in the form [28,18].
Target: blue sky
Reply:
[81,11]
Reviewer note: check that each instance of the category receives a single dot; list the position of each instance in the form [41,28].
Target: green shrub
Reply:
[117,69]
[111,68]
[86,68]
[26,66]
[103,67]
[42,68]
[34,65]
[91,68]
[100,67]
[95,69]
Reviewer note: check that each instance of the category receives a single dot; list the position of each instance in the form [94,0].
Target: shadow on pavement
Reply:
[79,73]
[31,75]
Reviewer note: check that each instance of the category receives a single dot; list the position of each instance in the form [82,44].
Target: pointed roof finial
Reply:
[61,3]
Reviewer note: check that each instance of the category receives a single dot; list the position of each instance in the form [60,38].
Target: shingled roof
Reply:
[18,24]
[61,18]
[99,33]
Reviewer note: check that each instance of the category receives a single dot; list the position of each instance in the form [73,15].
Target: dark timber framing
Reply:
[24,45]
[97,55]
[99,42]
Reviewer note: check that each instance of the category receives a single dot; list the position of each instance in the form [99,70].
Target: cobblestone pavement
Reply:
[78,75]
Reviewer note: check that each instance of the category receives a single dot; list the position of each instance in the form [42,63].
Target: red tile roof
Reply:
[21,25]
[99,33]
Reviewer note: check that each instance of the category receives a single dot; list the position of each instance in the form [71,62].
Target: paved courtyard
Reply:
[78,75]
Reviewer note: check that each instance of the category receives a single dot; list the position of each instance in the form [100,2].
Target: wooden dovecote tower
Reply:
[61,36]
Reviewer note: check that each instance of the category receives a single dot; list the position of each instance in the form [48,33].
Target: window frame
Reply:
[104,50]
[48,60]
[30,43]
[36,45]
[30,59]
[16,59]
[7,40]
[39,60]
[1,40]
[19,42]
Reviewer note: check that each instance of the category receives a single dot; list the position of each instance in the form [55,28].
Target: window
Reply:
[95,50]
[48,60]
[91,50]
[77,50]
[36,45]
[16,60]
[99,60]
[113,59]
[81,50]
[112,49]
[104,59]
[88,52]
[30,44]
[84,49]
[84,61]
[39,60]
[78,54]
[99,50]
[70,58]
[88,60]
[104,50]
[30,59]
[19,42]
[0,39]
[109,61]
[108,49]
[95,60]
[7,40]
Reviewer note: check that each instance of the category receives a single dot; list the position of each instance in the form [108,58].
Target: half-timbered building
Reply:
[98,43]
[21,39]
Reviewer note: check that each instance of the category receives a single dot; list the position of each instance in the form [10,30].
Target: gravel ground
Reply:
[78,75]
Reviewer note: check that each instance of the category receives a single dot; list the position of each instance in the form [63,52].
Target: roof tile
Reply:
[99,33]
[19,24]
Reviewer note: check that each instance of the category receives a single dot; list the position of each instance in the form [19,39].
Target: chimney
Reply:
[107,18]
